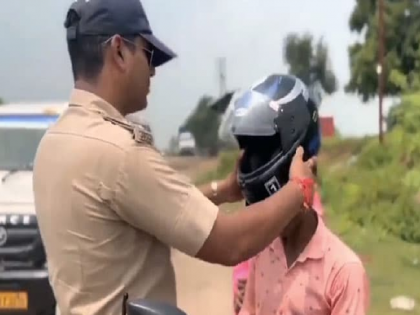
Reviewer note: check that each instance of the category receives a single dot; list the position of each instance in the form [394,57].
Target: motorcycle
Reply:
[146,307]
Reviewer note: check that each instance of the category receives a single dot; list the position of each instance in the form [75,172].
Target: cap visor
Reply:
[162,53]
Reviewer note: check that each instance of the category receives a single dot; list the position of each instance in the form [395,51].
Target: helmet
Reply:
[271,120]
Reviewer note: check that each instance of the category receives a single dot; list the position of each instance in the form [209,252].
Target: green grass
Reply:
[389,261]
[226,161]
[392,264]
[336,149]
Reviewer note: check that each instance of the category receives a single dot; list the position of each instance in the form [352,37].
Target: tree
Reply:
[203,123]
[391,119]
[406,114]
[309,61]
[402,47]
[1,101]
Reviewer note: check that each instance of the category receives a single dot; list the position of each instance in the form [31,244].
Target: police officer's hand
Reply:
[301,169]
[229,187]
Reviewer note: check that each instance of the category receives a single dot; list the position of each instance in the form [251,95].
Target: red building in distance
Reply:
[327,126]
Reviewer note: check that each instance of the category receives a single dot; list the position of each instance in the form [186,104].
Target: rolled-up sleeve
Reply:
[350,291]
[154,198]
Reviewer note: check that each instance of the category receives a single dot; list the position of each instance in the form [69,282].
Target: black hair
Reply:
[86,56]
[87,52]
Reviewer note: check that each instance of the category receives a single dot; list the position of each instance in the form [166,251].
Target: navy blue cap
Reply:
[112,17]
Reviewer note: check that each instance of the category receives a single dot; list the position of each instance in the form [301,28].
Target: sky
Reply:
[34,65]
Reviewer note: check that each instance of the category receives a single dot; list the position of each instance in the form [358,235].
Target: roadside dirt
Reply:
[203,289]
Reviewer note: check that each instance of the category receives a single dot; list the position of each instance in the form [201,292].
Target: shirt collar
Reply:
[315,249]
[91,101]
[317,245]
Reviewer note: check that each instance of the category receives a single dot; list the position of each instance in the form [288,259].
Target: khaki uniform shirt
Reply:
[109,208]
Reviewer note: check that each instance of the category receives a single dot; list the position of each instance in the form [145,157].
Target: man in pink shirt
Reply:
[241,272]
[307,270]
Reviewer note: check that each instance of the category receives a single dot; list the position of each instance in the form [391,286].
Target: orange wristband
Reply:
[307,187]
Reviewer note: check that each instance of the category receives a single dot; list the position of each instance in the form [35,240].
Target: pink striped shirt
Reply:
[327,278]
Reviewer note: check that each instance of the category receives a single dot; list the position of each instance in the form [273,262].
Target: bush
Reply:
[375,197]
[380,188]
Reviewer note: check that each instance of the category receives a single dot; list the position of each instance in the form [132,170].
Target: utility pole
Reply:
[380,69]
[221,66]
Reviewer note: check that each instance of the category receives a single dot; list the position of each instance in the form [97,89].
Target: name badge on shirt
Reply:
[142,136]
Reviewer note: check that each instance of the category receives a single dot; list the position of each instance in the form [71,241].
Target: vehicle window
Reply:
[18,147]
[185,136]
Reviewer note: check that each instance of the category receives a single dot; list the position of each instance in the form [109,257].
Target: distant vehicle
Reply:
[186,144]
[24,283]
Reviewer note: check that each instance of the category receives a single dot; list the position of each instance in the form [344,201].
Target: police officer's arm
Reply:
[218,198]
[240,236]
[152,197]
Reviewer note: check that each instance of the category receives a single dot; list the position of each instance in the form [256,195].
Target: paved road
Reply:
[203,289]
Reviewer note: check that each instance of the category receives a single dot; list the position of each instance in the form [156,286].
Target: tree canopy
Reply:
[402,50]
[309,60]
[203,123]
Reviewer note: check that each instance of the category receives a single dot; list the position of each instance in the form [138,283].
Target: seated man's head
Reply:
[271,120]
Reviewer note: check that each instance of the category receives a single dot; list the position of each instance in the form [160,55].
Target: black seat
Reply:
[143,307]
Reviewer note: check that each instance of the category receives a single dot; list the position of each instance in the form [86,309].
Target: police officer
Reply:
[109,207]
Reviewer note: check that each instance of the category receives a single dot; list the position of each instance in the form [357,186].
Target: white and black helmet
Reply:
[271,119]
